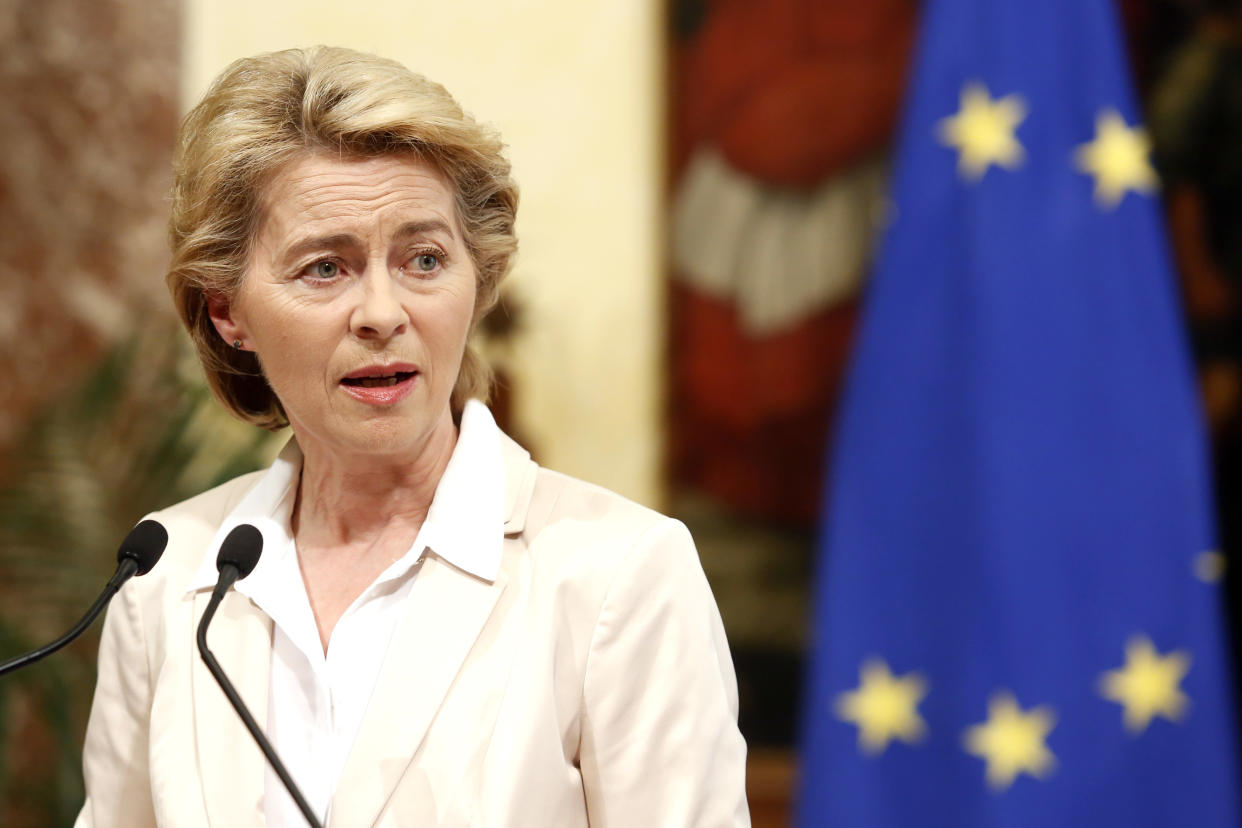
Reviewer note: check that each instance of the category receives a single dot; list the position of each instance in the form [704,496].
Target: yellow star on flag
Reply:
[884,707]
[1118,159]
[1011,741]
[982,131]
[1209,566]
[1147,686]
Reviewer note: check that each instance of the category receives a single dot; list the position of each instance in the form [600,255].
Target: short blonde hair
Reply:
[266,111]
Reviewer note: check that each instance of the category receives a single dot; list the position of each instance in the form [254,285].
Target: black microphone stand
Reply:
[140,551]
[124,571]
[229,572]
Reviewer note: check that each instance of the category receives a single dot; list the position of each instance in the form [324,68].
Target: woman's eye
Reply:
[325,270]
[426,262]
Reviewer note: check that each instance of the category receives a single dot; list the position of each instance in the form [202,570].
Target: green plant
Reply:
[140,432]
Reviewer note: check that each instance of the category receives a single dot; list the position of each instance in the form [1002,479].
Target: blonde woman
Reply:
[439,632]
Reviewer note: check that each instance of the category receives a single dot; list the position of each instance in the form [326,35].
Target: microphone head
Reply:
[241,548]
[144,545]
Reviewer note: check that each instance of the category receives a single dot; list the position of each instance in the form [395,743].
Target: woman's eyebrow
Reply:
[334,241]
[419,228]
[337,241]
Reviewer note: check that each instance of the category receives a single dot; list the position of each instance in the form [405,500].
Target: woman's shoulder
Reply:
[584,533]
[191,526]
[212,505]
[560,503]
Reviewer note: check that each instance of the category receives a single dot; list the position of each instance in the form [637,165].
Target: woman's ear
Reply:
[220,309]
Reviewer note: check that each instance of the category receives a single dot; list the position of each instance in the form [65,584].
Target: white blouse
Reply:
[316,700]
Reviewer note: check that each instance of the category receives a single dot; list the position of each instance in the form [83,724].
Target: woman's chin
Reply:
[393,433]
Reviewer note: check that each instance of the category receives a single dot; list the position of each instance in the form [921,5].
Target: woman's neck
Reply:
[345,501]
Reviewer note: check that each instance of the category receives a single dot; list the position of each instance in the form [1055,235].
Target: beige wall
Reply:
[575,89]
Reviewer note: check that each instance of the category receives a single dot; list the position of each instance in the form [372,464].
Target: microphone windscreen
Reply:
[144,545]
[241,548]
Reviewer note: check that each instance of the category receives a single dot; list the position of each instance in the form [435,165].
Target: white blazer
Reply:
[589,684]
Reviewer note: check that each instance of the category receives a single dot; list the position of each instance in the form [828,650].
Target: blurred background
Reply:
[702,183]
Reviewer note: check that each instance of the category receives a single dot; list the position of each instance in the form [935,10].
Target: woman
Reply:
[439,632]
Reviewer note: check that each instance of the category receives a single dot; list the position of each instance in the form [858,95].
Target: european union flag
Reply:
[1017,622]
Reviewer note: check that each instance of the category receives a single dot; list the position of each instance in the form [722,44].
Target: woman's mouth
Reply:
[381,386]
[379,381]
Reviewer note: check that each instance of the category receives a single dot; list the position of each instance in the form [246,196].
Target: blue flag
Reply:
[1017,616]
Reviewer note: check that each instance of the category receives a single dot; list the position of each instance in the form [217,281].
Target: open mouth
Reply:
[378,381]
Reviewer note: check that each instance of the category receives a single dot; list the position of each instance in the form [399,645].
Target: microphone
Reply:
[139,552]
[238,555]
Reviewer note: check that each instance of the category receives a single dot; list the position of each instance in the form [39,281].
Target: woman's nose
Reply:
[379,313]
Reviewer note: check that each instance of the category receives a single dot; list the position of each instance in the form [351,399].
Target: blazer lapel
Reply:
[447,610]
[231,765]
[520,473]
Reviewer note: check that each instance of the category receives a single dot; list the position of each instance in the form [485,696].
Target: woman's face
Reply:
[357,300]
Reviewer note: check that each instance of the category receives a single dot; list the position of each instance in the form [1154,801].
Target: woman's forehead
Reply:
[318,204]
[323,188]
